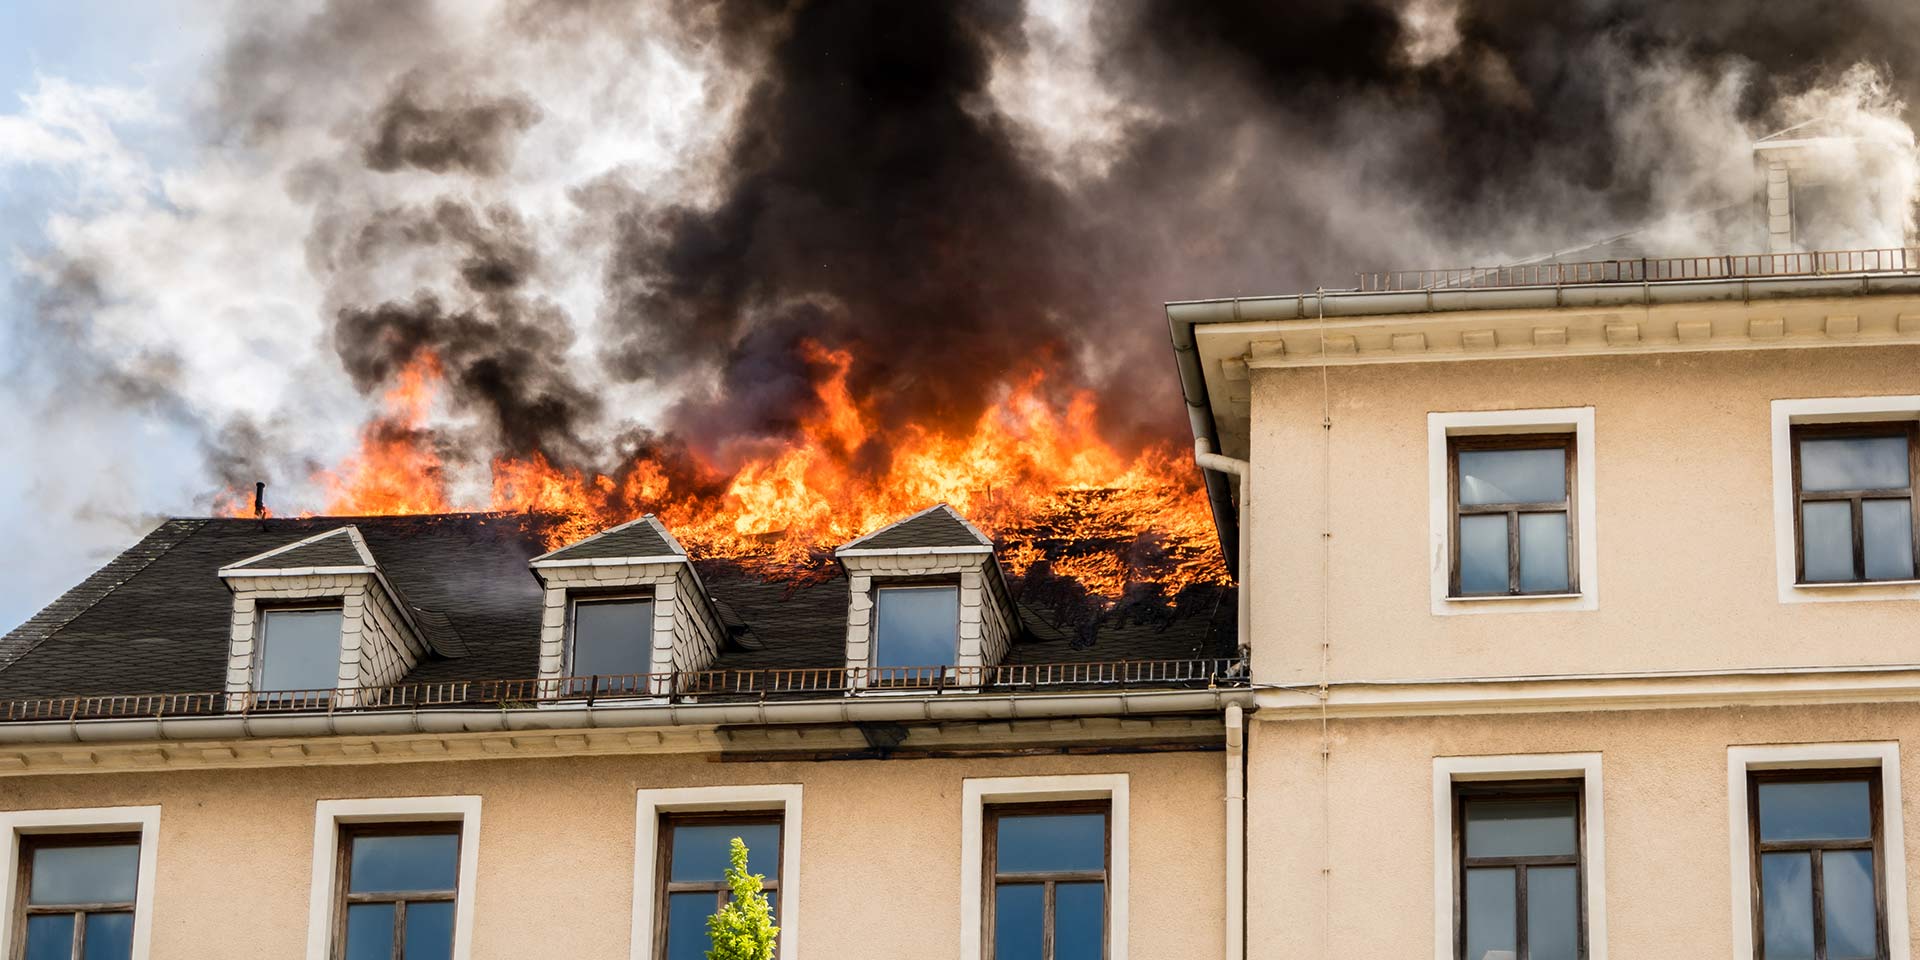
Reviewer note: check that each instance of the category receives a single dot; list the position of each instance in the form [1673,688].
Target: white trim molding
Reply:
[978,792]
[1786,415]
[330,815]
[784,797]
[145,820]
[1574,420]
[1540,766]
[1881,755]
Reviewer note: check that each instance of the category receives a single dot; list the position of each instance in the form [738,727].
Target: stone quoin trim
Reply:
[783,797]
[1574,421]
[330,815]
[1882,756]
[379,640]
[142,820]
[1448,771]
[639,558]
[1786,545]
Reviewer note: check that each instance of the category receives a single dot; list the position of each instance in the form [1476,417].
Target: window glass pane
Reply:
[916,626]
[369,931]
[1886,529]
[1018,921]
[1853,463]
[50,937]
[1826,539]
[687,913]
[1483,554]
[1079,921]
[1822,810]
[1052,842]
[1846,882]
[109,936]
[1786,906]
[1490,914]
[1553,913]
[1513,476]
[1543,553]
[612,637]
[701,850]
[300,650]
[393,864]
[1519,828]
[88,874]
[429,931]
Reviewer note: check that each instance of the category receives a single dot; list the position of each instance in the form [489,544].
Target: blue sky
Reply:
[156,47]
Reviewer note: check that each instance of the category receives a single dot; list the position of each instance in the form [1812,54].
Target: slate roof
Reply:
[156,619]
[644,537]
[936,526]
[335,548]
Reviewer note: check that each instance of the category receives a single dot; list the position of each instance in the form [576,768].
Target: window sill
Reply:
[1496,598]
[1856,584]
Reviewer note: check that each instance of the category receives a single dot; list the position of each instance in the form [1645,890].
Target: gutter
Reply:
[637,714]
[1193,390]
[1216,465]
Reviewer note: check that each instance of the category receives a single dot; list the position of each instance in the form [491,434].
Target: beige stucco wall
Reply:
[880,863]
[1685,518]
[1665,799]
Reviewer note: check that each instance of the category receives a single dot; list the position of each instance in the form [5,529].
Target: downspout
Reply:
[1204,456]
[1236,833]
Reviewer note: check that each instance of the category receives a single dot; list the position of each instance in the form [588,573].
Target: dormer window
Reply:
[313,622]
[611,640]
[927,604]
[625,614]
[916,626]
[298,649]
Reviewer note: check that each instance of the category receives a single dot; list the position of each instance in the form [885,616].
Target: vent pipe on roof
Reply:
[259,499]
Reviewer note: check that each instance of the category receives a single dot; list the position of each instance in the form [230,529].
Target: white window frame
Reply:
[1786,415]
[650,804]
[977,793]
[1448,771]
[1881,755]
[330,815]
[1577,421]
[572,636]
[264,613]
[145,820]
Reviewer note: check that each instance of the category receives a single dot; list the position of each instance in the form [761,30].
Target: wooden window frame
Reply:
[1568,505]
[1464,792]
[23,885]
[264,613]
[577,597]
[665,886]
[343,879]
[992,878]
[1854,431]
[1876,843]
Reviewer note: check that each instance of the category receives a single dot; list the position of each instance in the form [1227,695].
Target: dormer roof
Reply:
[340,550]
[937,529]
[643,540]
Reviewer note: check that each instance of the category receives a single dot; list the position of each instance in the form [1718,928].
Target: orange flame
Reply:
[1039,479]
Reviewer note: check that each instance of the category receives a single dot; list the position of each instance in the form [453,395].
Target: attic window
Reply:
[917,626]
[611,640]
[299,649]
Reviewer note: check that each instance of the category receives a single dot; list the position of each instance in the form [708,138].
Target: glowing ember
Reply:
[1039,480]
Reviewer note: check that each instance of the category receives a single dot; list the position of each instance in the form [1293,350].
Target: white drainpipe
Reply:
[1236,834]
[1236,874]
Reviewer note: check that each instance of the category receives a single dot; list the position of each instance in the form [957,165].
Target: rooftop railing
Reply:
[644,688]
[1647,270]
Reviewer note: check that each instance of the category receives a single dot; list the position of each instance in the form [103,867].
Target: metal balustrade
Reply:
[1646,270]
[675,687]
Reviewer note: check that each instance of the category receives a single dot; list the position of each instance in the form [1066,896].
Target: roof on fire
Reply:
[156,618]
